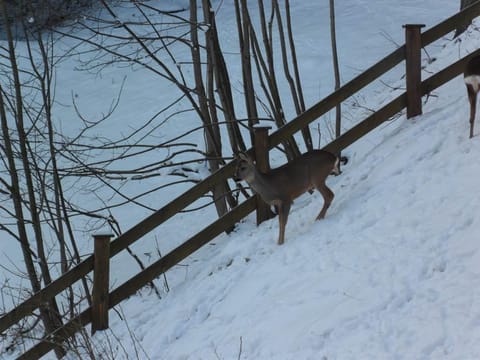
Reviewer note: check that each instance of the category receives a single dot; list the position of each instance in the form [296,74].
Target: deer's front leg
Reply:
[283,210]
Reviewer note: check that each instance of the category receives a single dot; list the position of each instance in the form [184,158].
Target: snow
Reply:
[392,272]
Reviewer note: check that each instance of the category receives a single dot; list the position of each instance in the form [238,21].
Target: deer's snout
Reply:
[236,177]
[241,171]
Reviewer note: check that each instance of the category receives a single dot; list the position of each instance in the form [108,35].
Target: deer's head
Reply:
[245,169]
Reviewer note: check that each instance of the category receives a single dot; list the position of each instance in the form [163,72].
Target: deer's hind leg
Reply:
[328,196]
[472,97]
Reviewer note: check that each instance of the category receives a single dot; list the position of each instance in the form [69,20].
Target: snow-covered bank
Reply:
[393,270]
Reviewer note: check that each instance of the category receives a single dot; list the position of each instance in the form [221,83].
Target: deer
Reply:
[471,77]
[280,186]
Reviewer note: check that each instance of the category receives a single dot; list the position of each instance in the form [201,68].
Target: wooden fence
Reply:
[230,219]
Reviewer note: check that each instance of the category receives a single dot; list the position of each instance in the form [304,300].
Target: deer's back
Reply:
[301,174]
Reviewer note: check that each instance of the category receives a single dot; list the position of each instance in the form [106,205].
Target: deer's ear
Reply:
[244,157]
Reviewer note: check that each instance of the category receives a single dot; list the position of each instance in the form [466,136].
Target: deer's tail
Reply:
[339,160]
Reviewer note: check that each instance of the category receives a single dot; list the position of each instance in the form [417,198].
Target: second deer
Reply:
[472,81]
[279,187]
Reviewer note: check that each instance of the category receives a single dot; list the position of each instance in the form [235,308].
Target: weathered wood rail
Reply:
[220,225]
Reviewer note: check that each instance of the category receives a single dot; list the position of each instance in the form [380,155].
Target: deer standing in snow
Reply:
[472,81]
[280,186]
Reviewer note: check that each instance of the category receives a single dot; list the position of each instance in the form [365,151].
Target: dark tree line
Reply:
[44,13]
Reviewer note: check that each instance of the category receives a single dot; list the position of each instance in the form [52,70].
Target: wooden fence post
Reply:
[263,164]
[413,47]
[101,276]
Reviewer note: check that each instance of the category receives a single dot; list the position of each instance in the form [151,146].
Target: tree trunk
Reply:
[336,70]
[294,83]
[50,312]
[222,79]
[244,42]
[267,75]
[208,112]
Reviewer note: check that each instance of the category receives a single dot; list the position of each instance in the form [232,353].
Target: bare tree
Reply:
[266,70]
[206,99]
[293,81]
[265,65]
[336,69]
[244,30]
[14,104]
[211,94]
[42,163]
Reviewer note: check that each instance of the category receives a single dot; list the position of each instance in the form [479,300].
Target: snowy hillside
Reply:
[392,272]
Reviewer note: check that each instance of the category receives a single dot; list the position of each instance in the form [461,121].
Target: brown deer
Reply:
[280,186]
[472,80]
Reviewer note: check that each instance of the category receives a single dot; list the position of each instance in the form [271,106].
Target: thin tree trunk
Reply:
[207,110]
[336,71]
[265,68]
[244,42]
[50,314]
[45,310]
[299,106]
[59,215]
[222,80]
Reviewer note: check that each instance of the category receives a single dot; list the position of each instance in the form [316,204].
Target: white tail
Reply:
[280,186]
[472,81]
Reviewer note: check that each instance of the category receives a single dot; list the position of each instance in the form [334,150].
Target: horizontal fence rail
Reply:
[397,104]
[369,75]
[150,273]
[117,245]
[220,225]
[447,74]
[463,17]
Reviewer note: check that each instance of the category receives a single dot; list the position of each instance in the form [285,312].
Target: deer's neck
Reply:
[262,185]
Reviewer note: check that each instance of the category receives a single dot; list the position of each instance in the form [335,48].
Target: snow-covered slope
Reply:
[393,270]
[391,273]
